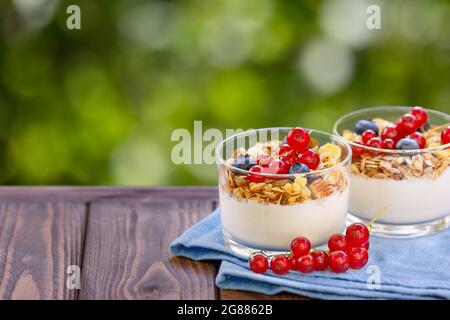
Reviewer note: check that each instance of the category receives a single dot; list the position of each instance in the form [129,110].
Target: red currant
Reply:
[263,160]
[374,143]
[337,242]
[357,151]
[289,158]
[298,139]
[284,149]
[255,177]
[276,167]
[305,264]
[388,144]
[258,263]
[292,262]
[445,136]
[365,245]
[357,234]
[407,124]
[320,259]
[358,257]
[280,265]
[300,246]
[390,132]
[367,135]
[310,158]
[420,114]
[339,261]
[420,139]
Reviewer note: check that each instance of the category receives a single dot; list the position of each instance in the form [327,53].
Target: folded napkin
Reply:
[406,269]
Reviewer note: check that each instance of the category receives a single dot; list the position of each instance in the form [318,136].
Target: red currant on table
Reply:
[292,262]
[358,257]
[280,265]
[420,114]
[298,139]
[339,261]
[365,245]
[419,138]
[305,264]
[367,135]
[445,136]
[255,177]
[390,132]
[320,259]
[357,234]
[337,242]
[388,144]
[407,124]
[258,263]
[310,158]
[300,246]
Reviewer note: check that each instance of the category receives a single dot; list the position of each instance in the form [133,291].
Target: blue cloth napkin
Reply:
[407,269]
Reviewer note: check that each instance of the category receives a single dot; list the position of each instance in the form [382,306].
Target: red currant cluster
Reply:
[296,150]
[404,135]
[345,251]
[445,135]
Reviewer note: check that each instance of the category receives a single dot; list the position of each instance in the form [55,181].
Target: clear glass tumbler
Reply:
[268,214]
[412,185]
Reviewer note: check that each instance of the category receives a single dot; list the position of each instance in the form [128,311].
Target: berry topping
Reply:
[407,144]
[256,177]
[284,149]
[358,257]
[388,144]
[420,114]
[310,158]
[300,246]
[407,124]
[298,167]
[280,265]
[320,259]
[357,151]
[263,160]
[390,132]
[445,136]
[367,135]
[289,158]
[298,139]
[357,234]
[363,125]
[337,242]
[305,264]
[375,143]
[339,261]
[244,162]
[258,263]
[276,167]
[419,138]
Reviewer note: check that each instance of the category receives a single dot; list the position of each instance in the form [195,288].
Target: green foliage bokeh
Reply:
[98,105]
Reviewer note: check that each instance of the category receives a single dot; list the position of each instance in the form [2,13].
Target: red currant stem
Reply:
[369,225]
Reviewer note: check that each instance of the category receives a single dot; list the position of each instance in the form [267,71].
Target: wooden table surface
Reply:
[119,237]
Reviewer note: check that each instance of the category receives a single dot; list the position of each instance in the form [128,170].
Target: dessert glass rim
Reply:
[344,142]
[390,151]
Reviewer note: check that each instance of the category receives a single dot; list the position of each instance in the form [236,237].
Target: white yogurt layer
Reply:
[273,226]
[408,201]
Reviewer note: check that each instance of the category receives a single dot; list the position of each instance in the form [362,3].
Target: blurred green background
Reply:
[98,105]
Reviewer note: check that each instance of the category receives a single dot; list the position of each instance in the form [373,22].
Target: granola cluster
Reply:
[296,189]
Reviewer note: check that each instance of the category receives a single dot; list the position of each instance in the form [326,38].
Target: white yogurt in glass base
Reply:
[272,226]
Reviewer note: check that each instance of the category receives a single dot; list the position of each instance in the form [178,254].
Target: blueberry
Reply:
[298,167]
[425,127]
[363,125]
[243,162]
[407,144]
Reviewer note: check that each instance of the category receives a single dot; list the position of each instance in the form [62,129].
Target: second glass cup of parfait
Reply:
[261,211]
[412,186]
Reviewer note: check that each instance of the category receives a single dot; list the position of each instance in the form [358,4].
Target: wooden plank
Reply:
[38,241]
[87,194]
[127,251]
